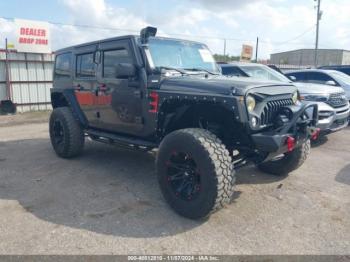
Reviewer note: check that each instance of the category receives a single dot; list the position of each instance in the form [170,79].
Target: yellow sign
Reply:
[10,46]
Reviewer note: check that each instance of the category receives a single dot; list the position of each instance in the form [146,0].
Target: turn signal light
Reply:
[154,97]
[316,134]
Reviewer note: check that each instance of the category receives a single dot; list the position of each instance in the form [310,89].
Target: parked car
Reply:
[146,92]
[342,68]
[333,107]
[321,76]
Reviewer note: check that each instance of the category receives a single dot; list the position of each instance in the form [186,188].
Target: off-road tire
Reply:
[289,162]
[216,171]
[73,135]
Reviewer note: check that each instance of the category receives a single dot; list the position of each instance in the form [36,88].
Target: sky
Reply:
[281,25]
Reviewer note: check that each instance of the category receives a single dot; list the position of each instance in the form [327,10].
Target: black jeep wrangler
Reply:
[146,92]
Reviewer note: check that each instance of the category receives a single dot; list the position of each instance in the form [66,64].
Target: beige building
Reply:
[305,57]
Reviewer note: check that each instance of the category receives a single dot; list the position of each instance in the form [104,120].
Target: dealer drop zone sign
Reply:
[32,36]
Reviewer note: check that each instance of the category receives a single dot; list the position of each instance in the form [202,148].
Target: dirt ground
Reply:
[108,202]
[25,118]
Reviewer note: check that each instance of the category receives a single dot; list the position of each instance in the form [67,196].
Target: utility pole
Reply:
[318,18]
[256,49]
[8,92]
[225,49]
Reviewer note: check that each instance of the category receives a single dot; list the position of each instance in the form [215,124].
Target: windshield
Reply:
[264,73]
[181,55]
[340,76]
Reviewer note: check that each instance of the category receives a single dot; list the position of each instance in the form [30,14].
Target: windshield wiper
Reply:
[201,69]
[182,72]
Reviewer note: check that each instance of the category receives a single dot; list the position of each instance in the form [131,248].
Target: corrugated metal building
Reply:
[305,57]
[29,79]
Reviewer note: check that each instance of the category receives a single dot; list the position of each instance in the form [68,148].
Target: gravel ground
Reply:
[24,118]
[108,202]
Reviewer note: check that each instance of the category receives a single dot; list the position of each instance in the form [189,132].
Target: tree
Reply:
[225,58]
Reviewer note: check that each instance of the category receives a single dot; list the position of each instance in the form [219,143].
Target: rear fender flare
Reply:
[73,104]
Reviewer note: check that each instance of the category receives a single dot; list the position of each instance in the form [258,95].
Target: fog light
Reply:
[254,121]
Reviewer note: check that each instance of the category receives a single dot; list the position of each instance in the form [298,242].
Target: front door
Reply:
[119,98]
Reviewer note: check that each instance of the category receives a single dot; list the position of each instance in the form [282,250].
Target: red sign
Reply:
[32,36]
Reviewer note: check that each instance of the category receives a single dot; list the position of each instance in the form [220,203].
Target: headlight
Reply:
[315,98]
[295,97]
[250,101]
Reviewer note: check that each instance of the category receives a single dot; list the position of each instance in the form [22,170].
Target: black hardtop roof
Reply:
[70,48]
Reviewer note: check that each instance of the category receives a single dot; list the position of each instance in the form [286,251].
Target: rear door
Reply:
[119,99]
[85,82]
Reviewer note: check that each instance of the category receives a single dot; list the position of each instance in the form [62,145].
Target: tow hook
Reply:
[314,132]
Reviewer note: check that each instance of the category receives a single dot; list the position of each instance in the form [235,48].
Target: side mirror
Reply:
[293,78]
[330,83]
[124,70]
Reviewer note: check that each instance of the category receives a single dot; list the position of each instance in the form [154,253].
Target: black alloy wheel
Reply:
[183,176]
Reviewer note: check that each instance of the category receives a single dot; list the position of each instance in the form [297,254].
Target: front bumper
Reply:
[332,119]
[273,143]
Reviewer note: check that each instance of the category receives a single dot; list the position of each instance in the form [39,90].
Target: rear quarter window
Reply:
[63,66]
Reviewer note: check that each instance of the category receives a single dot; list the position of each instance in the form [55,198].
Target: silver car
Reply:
[333,105]
[322,76]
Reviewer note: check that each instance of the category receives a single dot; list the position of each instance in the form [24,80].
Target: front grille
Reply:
[271,109]
[337,100]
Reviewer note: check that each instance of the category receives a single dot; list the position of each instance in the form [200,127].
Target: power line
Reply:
[134,31]
[170,34]
[297,37]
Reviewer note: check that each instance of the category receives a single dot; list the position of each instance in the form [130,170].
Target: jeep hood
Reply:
[308,88]
[222,85]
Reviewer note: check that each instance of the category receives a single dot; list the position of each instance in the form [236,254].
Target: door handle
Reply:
[138,94]
[102,88]
[78,87]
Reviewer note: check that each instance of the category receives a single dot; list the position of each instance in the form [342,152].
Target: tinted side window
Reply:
[113,57]
[85,66]
[318,78]
[344,70]
[299,77]
[63,66]
[233,71]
